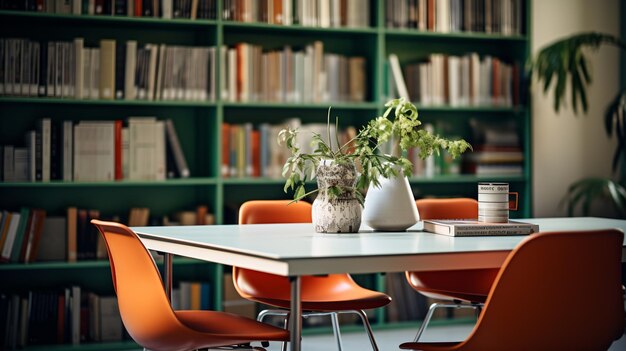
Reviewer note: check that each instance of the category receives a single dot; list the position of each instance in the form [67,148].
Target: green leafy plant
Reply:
[399,124]
[566,60]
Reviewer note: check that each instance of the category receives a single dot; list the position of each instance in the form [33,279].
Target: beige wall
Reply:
[568,147]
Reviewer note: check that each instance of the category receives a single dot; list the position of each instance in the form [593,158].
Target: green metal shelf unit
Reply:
[199,126]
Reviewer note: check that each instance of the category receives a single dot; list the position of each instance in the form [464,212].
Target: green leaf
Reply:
[288,184]
[300,193]
[576,85]
[616,196]
[584,69]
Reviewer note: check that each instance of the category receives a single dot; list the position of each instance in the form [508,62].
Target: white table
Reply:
[293,250]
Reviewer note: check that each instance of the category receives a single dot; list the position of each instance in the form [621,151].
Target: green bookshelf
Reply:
[198,125]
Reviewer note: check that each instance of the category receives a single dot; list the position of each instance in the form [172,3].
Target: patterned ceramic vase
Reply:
[341,214]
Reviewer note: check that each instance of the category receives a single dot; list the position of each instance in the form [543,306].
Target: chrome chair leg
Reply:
[431,311]
[286,325]
[335,322]
[266,313]
[368,328]
[429,315]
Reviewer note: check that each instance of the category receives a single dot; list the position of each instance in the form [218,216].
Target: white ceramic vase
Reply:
[341,214]
[390,207]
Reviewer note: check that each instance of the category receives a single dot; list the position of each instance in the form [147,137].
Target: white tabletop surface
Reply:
[298,246]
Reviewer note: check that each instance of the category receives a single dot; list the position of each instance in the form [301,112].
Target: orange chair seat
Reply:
[465,284]
[230,326]
[334,292]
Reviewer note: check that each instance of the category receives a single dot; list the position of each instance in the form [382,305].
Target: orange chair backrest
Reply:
[144,307]
[253,283]
[459,208]
[555,291]
[274,211]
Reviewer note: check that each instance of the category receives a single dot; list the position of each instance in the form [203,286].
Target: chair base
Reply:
[477,306]
[334,320]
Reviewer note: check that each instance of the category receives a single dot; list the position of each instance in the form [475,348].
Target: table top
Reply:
[299,246]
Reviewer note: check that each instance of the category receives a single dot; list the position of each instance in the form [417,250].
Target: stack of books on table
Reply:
[476,228]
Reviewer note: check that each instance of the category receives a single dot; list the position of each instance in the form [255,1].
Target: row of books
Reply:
[488,16]
[287,75]
[167,9]
[467,80]
[250,152]
[112,70]
[64,316]
[145,149]
[497,149]
[30,235]
[310,13]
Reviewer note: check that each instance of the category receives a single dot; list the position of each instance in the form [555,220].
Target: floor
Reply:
[390,339]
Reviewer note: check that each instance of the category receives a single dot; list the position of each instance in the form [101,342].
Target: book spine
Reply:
[492,232]
[12,226]
[45,131]
[107,69]
[118,150]
[120,73]
[130,92]
[174,144]
[72,215]
[55,152]
[67,154]
[22,226]
[78,68]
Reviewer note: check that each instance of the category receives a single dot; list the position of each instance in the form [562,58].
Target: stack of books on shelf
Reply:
[20,234]
[233,302]
[196,295]
[497,150]
[467,80]
[310,13]
[200,216]
[67,316]
[31,235]
[310,75]
[147,149]
[167,9]
[112,70]
[408,304]
[488,16]
[250,152]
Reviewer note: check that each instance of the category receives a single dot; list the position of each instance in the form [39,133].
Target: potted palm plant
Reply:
[565,61]
[338,205]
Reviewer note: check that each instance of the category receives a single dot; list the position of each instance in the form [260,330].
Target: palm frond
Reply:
[584,192]
[565,59]
[614,123]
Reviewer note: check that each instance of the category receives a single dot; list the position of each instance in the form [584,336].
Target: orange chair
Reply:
[555,291]
[147,314]
[460,287]
[321,295]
